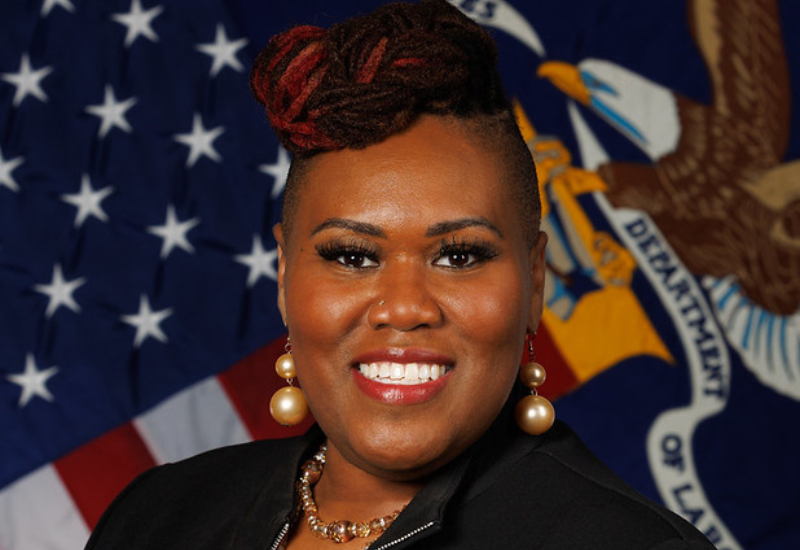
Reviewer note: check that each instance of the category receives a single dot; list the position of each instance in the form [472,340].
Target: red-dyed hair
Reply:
[371,76]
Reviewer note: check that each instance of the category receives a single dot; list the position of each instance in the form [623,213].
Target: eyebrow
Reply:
[351,225]
[436,230]
[449,226]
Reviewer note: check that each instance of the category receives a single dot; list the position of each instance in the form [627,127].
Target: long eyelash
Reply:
[331,250]
[481,250]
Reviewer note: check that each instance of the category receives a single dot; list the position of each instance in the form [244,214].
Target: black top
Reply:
[511,490]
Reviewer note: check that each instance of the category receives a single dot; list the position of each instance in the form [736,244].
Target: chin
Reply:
[403,455]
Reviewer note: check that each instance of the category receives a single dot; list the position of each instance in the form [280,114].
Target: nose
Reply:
[405,300]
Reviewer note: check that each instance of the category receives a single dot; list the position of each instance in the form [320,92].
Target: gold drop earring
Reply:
[288,405]
[535,414]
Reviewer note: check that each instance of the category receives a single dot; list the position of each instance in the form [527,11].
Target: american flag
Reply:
[137,266]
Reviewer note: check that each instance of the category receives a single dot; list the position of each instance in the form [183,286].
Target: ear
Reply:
[277,232]
[538,263]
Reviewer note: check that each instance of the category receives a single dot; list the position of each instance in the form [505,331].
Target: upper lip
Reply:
[404,356]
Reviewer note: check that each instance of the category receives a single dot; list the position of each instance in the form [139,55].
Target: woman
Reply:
[411,272]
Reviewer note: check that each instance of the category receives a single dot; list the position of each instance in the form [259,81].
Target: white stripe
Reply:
[37,513]
[197,419]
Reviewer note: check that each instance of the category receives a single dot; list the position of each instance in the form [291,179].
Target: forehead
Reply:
[438,169]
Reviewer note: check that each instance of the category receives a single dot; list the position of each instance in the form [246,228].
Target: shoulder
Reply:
[203,496]
[235,459]
[221,471]
[558,489]
[611,512]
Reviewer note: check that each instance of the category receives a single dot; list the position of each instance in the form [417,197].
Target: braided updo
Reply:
[370,77]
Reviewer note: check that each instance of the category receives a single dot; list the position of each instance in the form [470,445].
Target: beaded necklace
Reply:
[339,530]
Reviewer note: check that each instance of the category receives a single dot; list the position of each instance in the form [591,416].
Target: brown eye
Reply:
[356,260]
[352,255]
[464,256]
[459,259]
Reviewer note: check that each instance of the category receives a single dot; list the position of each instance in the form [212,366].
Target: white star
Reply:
[174,233]
[200,141]
[260,262]
[27,81]
[112,112]
[88,201]
[33,381]
[147,322]
[6,167]
[60,292]
[50,4]
[223,51]
[279,171]
[138,22]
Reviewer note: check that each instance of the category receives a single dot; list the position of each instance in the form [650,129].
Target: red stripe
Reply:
[96,472]
[250,385]
[560,378]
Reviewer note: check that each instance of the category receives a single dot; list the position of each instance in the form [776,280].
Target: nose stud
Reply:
[382,303]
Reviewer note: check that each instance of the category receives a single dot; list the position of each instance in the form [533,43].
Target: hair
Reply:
[372,76]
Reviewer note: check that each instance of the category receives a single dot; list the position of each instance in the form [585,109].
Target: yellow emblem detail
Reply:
[602,327]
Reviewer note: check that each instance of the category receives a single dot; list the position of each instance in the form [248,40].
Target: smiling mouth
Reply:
[385,372]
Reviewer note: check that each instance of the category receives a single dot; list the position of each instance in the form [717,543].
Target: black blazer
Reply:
[510,490]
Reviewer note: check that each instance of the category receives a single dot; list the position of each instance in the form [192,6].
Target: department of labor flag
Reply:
[139,183]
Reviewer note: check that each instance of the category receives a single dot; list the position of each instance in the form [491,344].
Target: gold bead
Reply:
[535,414]
[284,366]
[376,526]
[339,531]
[288,406]
[312,470]
[320,530]
[532,374]
[362,529]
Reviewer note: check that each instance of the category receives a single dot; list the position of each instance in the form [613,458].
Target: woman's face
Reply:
[406,258]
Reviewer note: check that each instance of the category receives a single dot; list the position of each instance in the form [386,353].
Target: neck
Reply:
[348,492]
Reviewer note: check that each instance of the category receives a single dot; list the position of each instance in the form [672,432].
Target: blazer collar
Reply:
[463,478]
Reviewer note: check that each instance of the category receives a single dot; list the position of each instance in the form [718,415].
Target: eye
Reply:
[456,255]
[350,255]
[456,259]
[356,260]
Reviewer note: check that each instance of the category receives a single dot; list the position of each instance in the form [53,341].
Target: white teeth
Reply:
[424,371]
[399,373]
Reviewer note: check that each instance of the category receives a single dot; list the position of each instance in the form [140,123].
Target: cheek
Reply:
[491,311]
[321,307]
[491,326]
[321,316]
